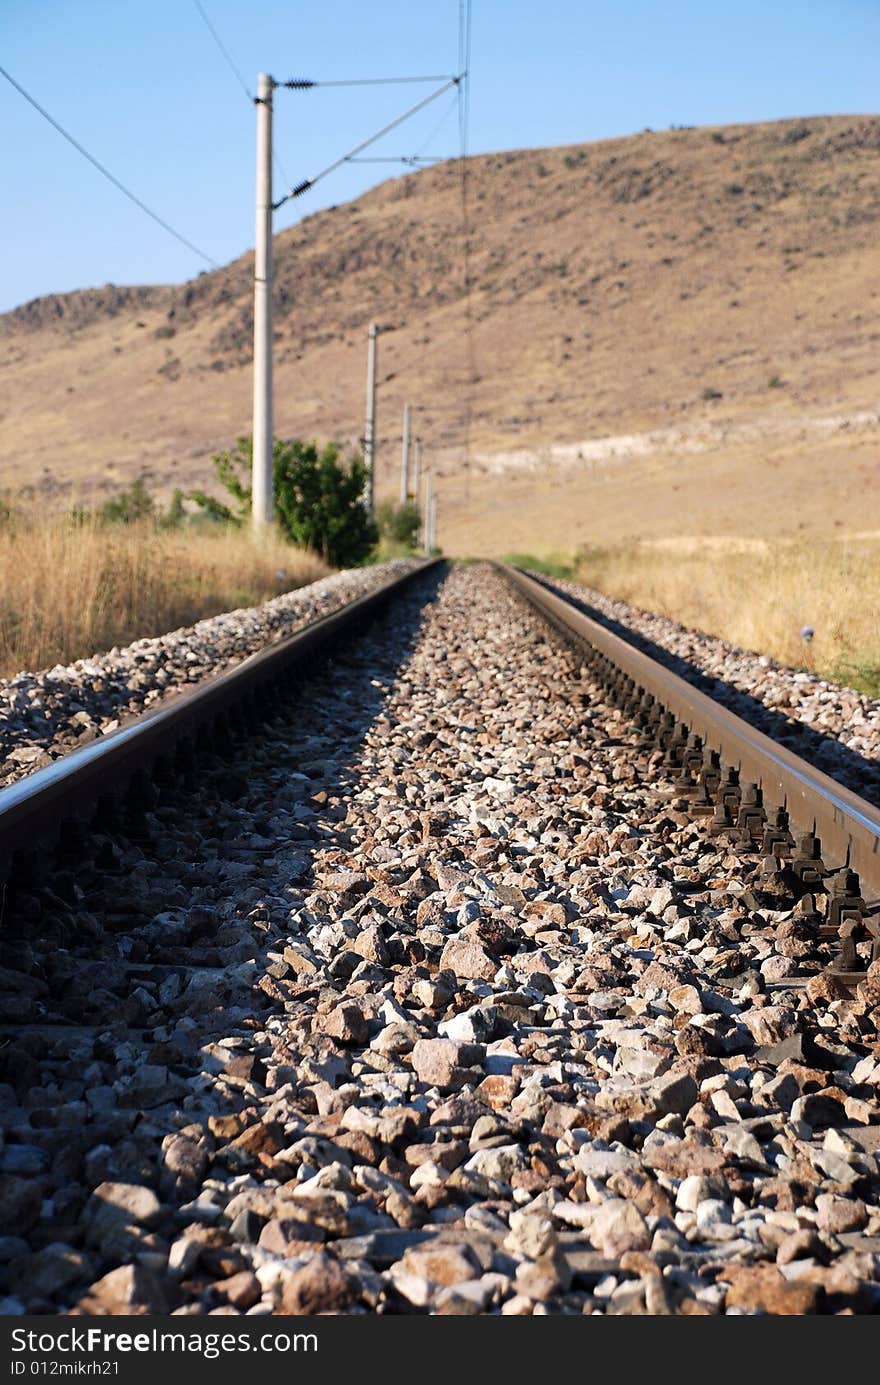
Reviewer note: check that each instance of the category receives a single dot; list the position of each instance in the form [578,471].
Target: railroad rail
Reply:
[33,810]
[755,789]
[433,934]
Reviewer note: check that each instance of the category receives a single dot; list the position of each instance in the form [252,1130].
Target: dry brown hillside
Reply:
[705,298]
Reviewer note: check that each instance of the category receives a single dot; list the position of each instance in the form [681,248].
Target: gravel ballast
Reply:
[834,727]
[429,999]
[46,714]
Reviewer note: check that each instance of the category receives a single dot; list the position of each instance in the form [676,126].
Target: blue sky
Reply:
[145,89]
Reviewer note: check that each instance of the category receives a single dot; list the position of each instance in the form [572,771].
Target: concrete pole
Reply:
[404,461]
[433,524]
[263,501]
[417,469]
[426,517]
[370,425]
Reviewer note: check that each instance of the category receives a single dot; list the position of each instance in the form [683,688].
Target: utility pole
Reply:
[263,500]
[426,517]
[370,425]
[404,461]
[417,469]
[432,525]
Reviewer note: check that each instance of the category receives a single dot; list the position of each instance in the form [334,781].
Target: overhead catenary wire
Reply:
[230,61]
[308,183]
[435,129]
[132,197]
[224,50]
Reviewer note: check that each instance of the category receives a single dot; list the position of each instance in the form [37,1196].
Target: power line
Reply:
[107,174]
[441,122]
[224,50]
[365,144]
[239,78]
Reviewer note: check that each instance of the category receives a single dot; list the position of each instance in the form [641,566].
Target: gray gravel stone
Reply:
[434,964]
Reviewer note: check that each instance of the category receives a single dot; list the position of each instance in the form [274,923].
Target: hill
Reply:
[675,331]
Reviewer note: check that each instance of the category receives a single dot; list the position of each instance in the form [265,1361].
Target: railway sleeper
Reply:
[791,869]
[210,719]
[740,812]
[706,787]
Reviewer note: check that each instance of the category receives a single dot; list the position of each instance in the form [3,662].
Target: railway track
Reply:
[34,810]
[463,980]
[756,791]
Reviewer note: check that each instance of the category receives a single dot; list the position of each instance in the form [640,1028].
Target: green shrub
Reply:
[175,515]
[318,497]
[134,505]
[129,506]
[399,523]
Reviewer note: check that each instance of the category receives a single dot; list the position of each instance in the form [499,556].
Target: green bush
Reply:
[399,523]
[129,506]
[134,506]
[318,497]
[175,515]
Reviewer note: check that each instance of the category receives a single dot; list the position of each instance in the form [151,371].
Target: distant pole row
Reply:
[411,483]
[411,473]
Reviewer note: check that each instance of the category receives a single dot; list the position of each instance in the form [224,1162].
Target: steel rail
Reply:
[848,826]
[33,809]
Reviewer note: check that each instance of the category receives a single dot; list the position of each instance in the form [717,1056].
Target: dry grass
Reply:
[759,595]
[67,591]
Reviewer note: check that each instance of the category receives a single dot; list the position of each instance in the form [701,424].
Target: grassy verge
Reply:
[760,596]
[67,591]
[388,548]
[552,566]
